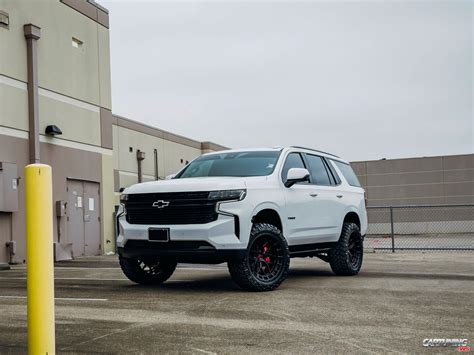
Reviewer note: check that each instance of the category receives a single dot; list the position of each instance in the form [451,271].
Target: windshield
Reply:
[232,164]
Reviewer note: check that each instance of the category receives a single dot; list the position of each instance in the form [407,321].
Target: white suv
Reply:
[254,209]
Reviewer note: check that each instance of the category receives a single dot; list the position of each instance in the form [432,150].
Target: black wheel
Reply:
[147,271]
[266,263]
[346,257]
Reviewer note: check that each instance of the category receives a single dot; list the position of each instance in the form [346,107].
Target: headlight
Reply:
[123,198]
[223,195]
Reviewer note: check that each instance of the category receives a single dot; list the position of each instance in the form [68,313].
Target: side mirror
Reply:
[169,177]
[296,175]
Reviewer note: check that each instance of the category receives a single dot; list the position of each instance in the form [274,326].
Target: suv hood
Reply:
[188,184]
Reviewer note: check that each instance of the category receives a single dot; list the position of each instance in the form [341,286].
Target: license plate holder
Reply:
[159,235]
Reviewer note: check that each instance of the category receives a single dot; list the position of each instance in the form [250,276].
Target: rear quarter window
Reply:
[348,173]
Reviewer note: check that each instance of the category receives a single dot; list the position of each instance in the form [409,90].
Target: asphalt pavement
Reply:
[396,302]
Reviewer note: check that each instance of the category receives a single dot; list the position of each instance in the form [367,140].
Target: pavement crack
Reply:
[137,325]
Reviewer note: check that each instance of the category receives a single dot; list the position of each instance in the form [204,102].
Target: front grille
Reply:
[183,208]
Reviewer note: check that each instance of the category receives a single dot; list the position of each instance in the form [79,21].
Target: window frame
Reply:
[332,181]
[335,175]
[342,173]
[305,165]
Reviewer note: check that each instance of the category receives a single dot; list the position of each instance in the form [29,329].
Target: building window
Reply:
[4,19]
[77,43]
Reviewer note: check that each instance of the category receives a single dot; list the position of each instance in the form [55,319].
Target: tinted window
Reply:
[232,164]
[319,174]
[348,173]
[293,160]
[335,179]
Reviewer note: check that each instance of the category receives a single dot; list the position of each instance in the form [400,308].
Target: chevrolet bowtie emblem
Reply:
[161,204]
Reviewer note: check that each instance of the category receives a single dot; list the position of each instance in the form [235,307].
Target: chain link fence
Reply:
[420,228]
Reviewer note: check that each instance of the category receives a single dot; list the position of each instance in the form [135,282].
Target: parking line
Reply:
[59,298]
[83,279]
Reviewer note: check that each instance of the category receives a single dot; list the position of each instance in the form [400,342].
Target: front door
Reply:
[299,205]
[83,217]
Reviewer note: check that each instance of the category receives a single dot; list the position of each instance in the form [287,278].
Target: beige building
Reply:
[418,181]
[55,74]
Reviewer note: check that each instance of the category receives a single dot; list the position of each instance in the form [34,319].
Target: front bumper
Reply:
[212,242]
[180,251]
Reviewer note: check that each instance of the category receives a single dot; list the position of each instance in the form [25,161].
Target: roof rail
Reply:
[314,150]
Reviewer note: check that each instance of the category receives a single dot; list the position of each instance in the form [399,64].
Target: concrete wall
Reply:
[173,151]
[444,180]
[73,91]
[82,73]
[418,181]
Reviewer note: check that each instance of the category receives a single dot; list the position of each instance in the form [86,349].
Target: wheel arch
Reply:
[268,214]
[352,217]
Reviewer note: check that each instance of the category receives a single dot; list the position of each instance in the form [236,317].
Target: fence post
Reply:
[392,229]
[40,268]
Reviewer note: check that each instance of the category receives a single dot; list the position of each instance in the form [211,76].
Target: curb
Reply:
[4,266]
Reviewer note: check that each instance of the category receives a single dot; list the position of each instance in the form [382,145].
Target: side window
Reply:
[348,173]
[335,179]
[293,160]
[317,168]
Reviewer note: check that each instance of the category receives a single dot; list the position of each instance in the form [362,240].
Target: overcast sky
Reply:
[362,79]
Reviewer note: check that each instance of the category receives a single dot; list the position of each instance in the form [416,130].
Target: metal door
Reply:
[91,218]
[83,217]
[75,216]
[5,236]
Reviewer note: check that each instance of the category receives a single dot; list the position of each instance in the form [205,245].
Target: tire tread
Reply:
[338,255]
[239,269]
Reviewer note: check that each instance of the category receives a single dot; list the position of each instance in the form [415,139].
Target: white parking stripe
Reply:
[59,298]
[83,279]
[118,268]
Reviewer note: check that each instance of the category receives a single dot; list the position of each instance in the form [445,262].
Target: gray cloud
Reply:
[363,79]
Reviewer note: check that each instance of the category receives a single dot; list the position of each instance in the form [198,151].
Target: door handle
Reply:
[339,196]
[313,194]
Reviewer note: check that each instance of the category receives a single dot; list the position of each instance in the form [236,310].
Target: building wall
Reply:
[418,181]
[173,151]
[74,94]
[82,73]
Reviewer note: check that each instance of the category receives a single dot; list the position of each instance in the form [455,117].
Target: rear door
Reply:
[328,207]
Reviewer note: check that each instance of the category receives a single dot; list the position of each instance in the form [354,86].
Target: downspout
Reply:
[140,158]
[156,164]
[32,34]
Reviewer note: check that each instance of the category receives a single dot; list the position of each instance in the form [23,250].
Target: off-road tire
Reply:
[343,261]
[243,271]
[147,271]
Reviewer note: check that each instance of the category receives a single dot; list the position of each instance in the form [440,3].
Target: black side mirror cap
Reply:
[290,183]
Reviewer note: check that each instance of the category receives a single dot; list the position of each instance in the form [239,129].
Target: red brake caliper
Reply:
[265,250]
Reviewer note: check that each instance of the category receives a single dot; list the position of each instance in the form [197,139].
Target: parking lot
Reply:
[396,301]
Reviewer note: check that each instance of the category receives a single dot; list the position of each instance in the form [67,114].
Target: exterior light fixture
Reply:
[4,19]
[53,130]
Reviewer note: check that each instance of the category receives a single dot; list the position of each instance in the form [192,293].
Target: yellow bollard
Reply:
[40,268]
